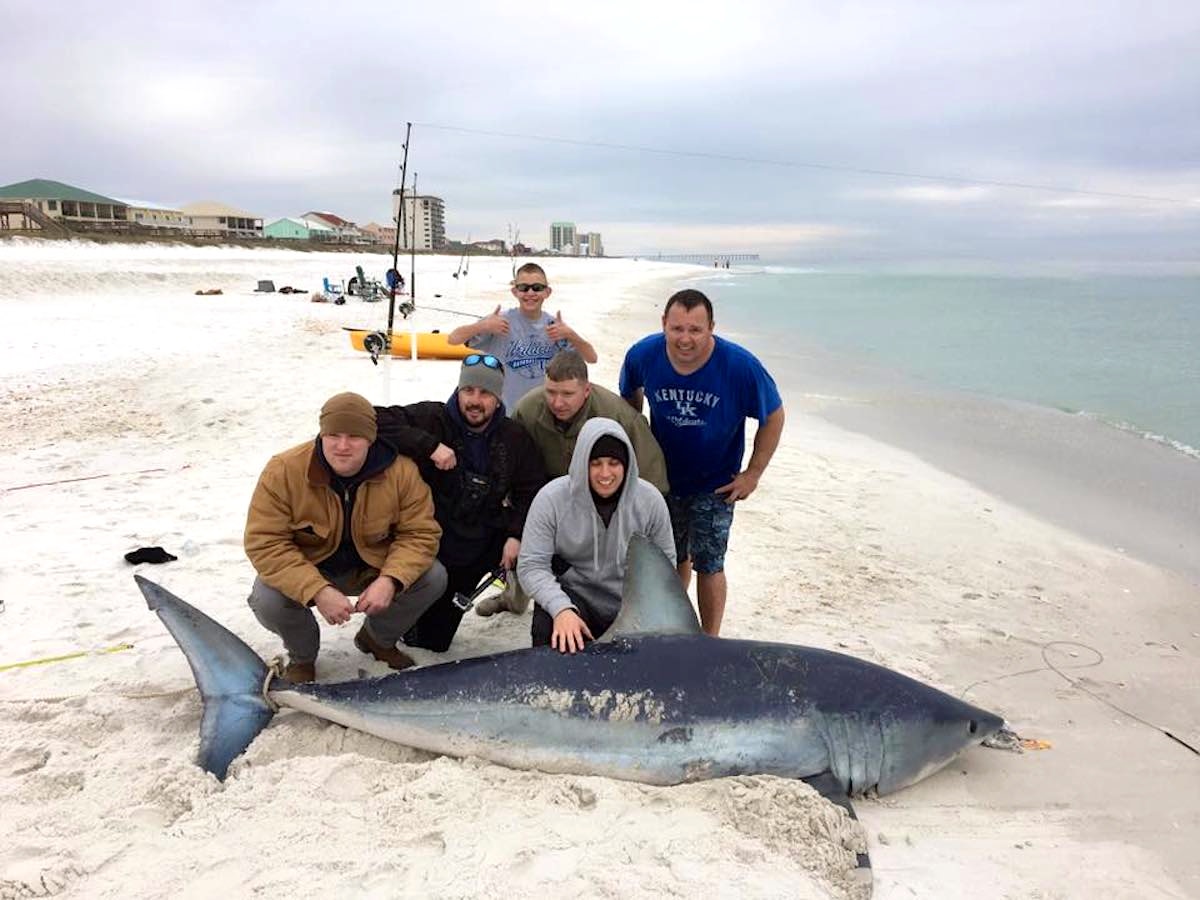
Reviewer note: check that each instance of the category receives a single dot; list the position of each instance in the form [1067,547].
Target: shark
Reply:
[655,700]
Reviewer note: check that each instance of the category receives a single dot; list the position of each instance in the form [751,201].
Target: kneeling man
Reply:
[483,471]
[342,515]
[577,533]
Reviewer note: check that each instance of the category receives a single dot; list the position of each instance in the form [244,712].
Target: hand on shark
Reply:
[569,632]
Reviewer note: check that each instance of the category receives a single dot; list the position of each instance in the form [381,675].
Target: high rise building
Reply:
[424,221]
[562,237]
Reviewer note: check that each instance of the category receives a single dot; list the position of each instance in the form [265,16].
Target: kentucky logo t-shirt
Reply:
[700,419]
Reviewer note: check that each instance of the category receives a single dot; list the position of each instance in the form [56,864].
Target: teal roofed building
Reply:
[290,229]
[42,204]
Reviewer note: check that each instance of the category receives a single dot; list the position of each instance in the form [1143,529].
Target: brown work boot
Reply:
[300,673]
[396,659]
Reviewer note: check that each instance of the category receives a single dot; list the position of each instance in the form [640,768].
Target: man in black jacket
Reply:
[483,470]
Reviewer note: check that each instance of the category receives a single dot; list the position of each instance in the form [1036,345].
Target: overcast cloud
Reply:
[284,107]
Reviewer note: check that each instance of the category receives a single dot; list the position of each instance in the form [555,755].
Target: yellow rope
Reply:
[116,648]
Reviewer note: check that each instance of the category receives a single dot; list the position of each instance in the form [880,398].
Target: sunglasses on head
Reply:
[537,287]
[483,359]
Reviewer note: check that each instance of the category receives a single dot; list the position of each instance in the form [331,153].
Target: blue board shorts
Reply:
[701,523]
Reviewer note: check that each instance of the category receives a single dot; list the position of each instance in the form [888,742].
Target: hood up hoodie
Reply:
[563,520]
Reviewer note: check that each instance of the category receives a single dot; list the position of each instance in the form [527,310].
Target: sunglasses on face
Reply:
[526,288]
[483,359]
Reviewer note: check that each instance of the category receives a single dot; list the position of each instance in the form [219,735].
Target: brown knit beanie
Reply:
[349,413]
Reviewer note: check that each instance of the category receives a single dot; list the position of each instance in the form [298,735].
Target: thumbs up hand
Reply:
[558,330]
[495,323]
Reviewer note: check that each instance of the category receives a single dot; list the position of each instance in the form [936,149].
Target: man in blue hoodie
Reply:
[577,533]
[483,470]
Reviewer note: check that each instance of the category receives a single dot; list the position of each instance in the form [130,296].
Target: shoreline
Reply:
[1113,485]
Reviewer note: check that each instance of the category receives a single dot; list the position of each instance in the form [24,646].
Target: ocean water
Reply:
[1123,350]
[1077,399]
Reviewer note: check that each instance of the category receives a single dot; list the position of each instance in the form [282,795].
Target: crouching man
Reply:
[577,534]
[483,471]
[342,516]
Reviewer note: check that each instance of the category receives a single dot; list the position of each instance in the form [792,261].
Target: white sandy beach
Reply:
[169,404]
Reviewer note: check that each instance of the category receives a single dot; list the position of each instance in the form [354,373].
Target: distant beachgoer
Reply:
[701,390]
[342,515]
[395,281]
[577,534]
[524,338]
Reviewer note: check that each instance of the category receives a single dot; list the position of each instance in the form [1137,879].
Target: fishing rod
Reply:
[396,245]
[461,259]
[412,248]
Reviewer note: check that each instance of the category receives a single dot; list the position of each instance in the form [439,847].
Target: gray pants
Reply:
[297,624]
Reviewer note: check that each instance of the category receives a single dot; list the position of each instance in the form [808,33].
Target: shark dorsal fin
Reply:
[652,600]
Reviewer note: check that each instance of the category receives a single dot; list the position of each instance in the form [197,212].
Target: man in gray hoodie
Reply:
[577,533]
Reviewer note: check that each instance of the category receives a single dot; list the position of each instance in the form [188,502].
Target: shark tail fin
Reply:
[228,673]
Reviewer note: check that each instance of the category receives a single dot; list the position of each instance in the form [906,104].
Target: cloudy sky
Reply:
[828,133]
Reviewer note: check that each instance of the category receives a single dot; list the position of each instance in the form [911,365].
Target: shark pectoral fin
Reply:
[829,788]
[652,599]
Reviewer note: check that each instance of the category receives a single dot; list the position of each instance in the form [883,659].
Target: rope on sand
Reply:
[1078,685]
[22,487]
[47,660]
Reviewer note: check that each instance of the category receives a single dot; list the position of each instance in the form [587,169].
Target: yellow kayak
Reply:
[430,344]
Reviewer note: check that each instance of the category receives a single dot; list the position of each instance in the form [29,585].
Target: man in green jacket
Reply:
[554,416]
[342,515]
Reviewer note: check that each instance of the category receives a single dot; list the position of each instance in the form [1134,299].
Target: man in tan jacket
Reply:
[342,515]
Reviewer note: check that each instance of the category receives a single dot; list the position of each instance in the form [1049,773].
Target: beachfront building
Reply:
[158,218]
[424,221]
[563,238]
[289,229]
[591,244]
[494,246]
[344,231]
[44,205]
[210,219]
[380,234]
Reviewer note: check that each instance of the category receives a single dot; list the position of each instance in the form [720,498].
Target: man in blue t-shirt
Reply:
[701,390]
[524,338]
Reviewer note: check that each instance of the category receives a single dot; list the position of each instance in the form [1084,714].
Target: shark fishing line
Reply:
[1057,669]
[47,660]
[35,484]
[800,164]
